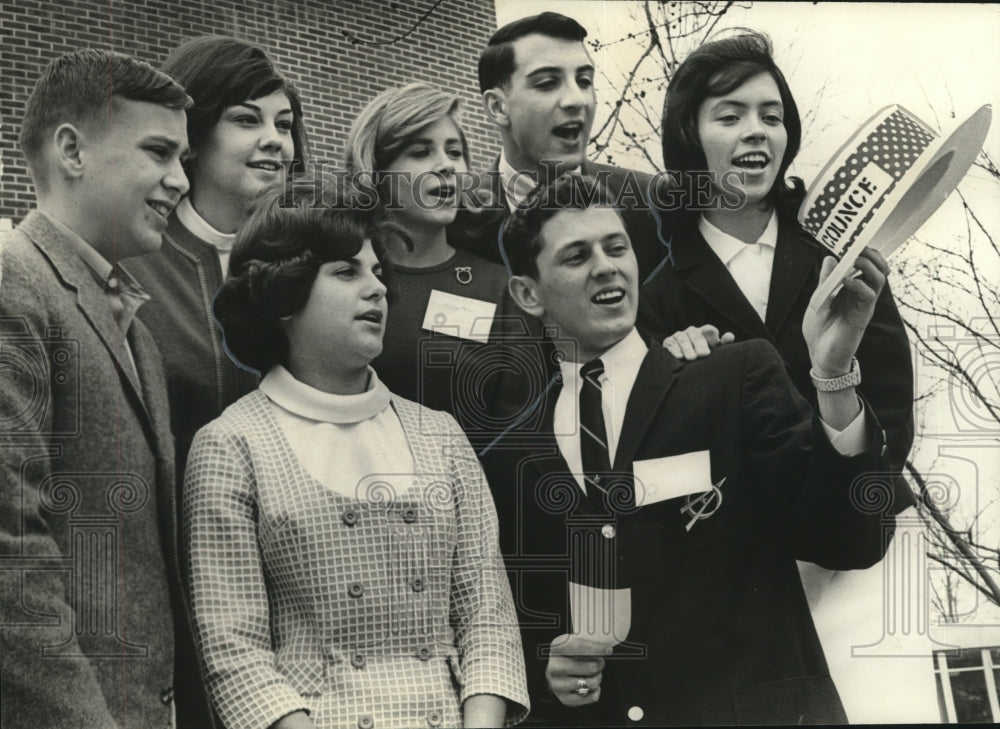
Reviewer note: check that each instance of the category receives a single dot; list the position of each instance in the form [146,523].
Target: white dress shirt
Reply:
[621,368]
[749,264]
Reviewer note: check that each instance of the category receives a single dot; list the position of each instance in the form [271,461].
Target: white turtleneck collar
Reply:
[306,401]
[221,242]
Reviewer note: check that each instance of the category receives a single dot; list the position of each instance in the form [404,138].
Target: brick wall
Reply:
[335,76]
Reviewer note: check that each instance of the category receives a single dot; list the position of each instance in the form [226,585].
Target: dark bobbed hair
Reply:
[219,72]
[278,252]
[522,234]
[497,62]
[81,88]
[714,69]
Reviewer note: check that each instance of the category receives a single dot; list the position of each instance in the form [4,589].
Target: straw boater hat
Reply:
[885,182]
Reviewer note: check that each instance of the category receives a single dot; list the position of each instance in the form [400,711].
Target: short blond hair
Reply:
[384,126]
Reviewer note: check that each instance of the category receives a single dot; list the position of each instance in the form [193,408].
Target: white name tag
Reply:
[459,316]
[659,479]
[603,616]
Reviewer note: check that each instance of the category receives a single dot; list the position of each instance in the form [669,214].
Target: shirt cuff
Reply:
[851,440]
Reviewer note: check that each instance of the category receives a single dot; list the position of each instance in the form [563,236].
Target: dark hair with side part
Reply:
[497,62]
[219,72]
[522,233]
[81,88]
[278,252]
[714,69]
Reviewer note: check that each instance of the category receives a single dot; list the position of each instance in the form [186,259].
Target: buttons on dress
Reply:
[425,653]
[350,517]
[417,584]
[366,722]
[636,713]
[358,660]
[356,589]
[434,718]
[409,515]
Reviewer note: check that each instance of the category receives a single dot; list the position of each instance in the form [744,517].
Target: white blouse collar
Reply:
[190,219]
[297,397]
[727,247]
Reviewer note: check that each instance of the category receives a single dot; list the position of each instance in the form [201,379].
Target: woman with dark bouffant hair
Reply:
[745,266]
[245,131]
[343,558]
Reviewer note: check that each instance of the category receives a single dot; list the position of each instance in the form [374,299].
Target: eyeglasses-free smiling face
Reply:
[423,175]
[744,131]
[245,153]
[132,177]
[547,108]
[587,280]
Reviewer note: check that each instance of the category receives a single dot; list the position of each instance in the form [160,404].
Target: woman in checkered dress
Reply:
[342,541]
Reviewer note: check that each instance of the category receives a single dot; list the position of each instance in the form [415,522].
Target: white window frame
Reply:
[944,675]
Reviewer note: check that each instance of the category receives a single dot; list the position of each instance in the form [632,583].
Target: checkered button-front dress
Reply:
[385,609]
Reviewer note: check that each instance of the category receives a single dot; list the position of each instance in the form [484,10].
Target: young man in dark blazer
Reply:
[537,82]
[90,588]
[716,476]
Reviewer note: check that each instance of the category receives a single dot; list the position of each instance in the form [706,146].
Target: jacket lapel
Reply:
[545,456]
[90,299]
[657,376]
[697,264]
[794,261]
[154,391]
[479,223]
[157,426]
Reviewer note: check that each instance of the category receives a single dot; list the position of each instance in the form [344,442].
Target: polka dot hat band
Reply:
[885,182]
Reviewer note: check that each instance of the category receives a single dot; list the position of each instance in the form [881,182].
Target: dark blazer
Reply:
[202,381]
[699,290]
[479,232]
[89,581]
[182,279]
[719,619]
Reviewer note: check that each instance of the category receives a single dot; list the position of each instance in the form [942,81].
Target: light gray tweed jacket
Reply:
[89,584]
[386,610]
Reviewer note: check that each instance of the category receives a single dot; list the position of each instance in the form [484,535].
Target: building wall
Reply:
[308,39]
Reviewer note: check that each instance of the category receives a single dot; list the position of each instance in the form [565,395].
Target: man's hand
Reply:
[696,342]
[834,329]
[574,659]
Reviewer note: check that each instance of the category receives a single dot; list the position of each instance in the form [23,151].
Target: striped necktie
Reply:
[593,435]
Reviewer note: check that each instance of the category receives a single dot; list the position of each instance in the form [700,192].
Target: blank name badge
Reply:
[659,479]
[459,316]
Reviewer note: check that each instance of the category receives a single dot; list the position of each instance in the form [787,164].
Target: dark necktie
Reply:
[593,435]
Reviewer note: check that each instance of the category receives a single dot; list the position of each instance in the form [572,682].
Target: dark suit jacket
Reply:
[89,581]
[479,232]
[181,280]
[699,290]
[521,385]
[719,619]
